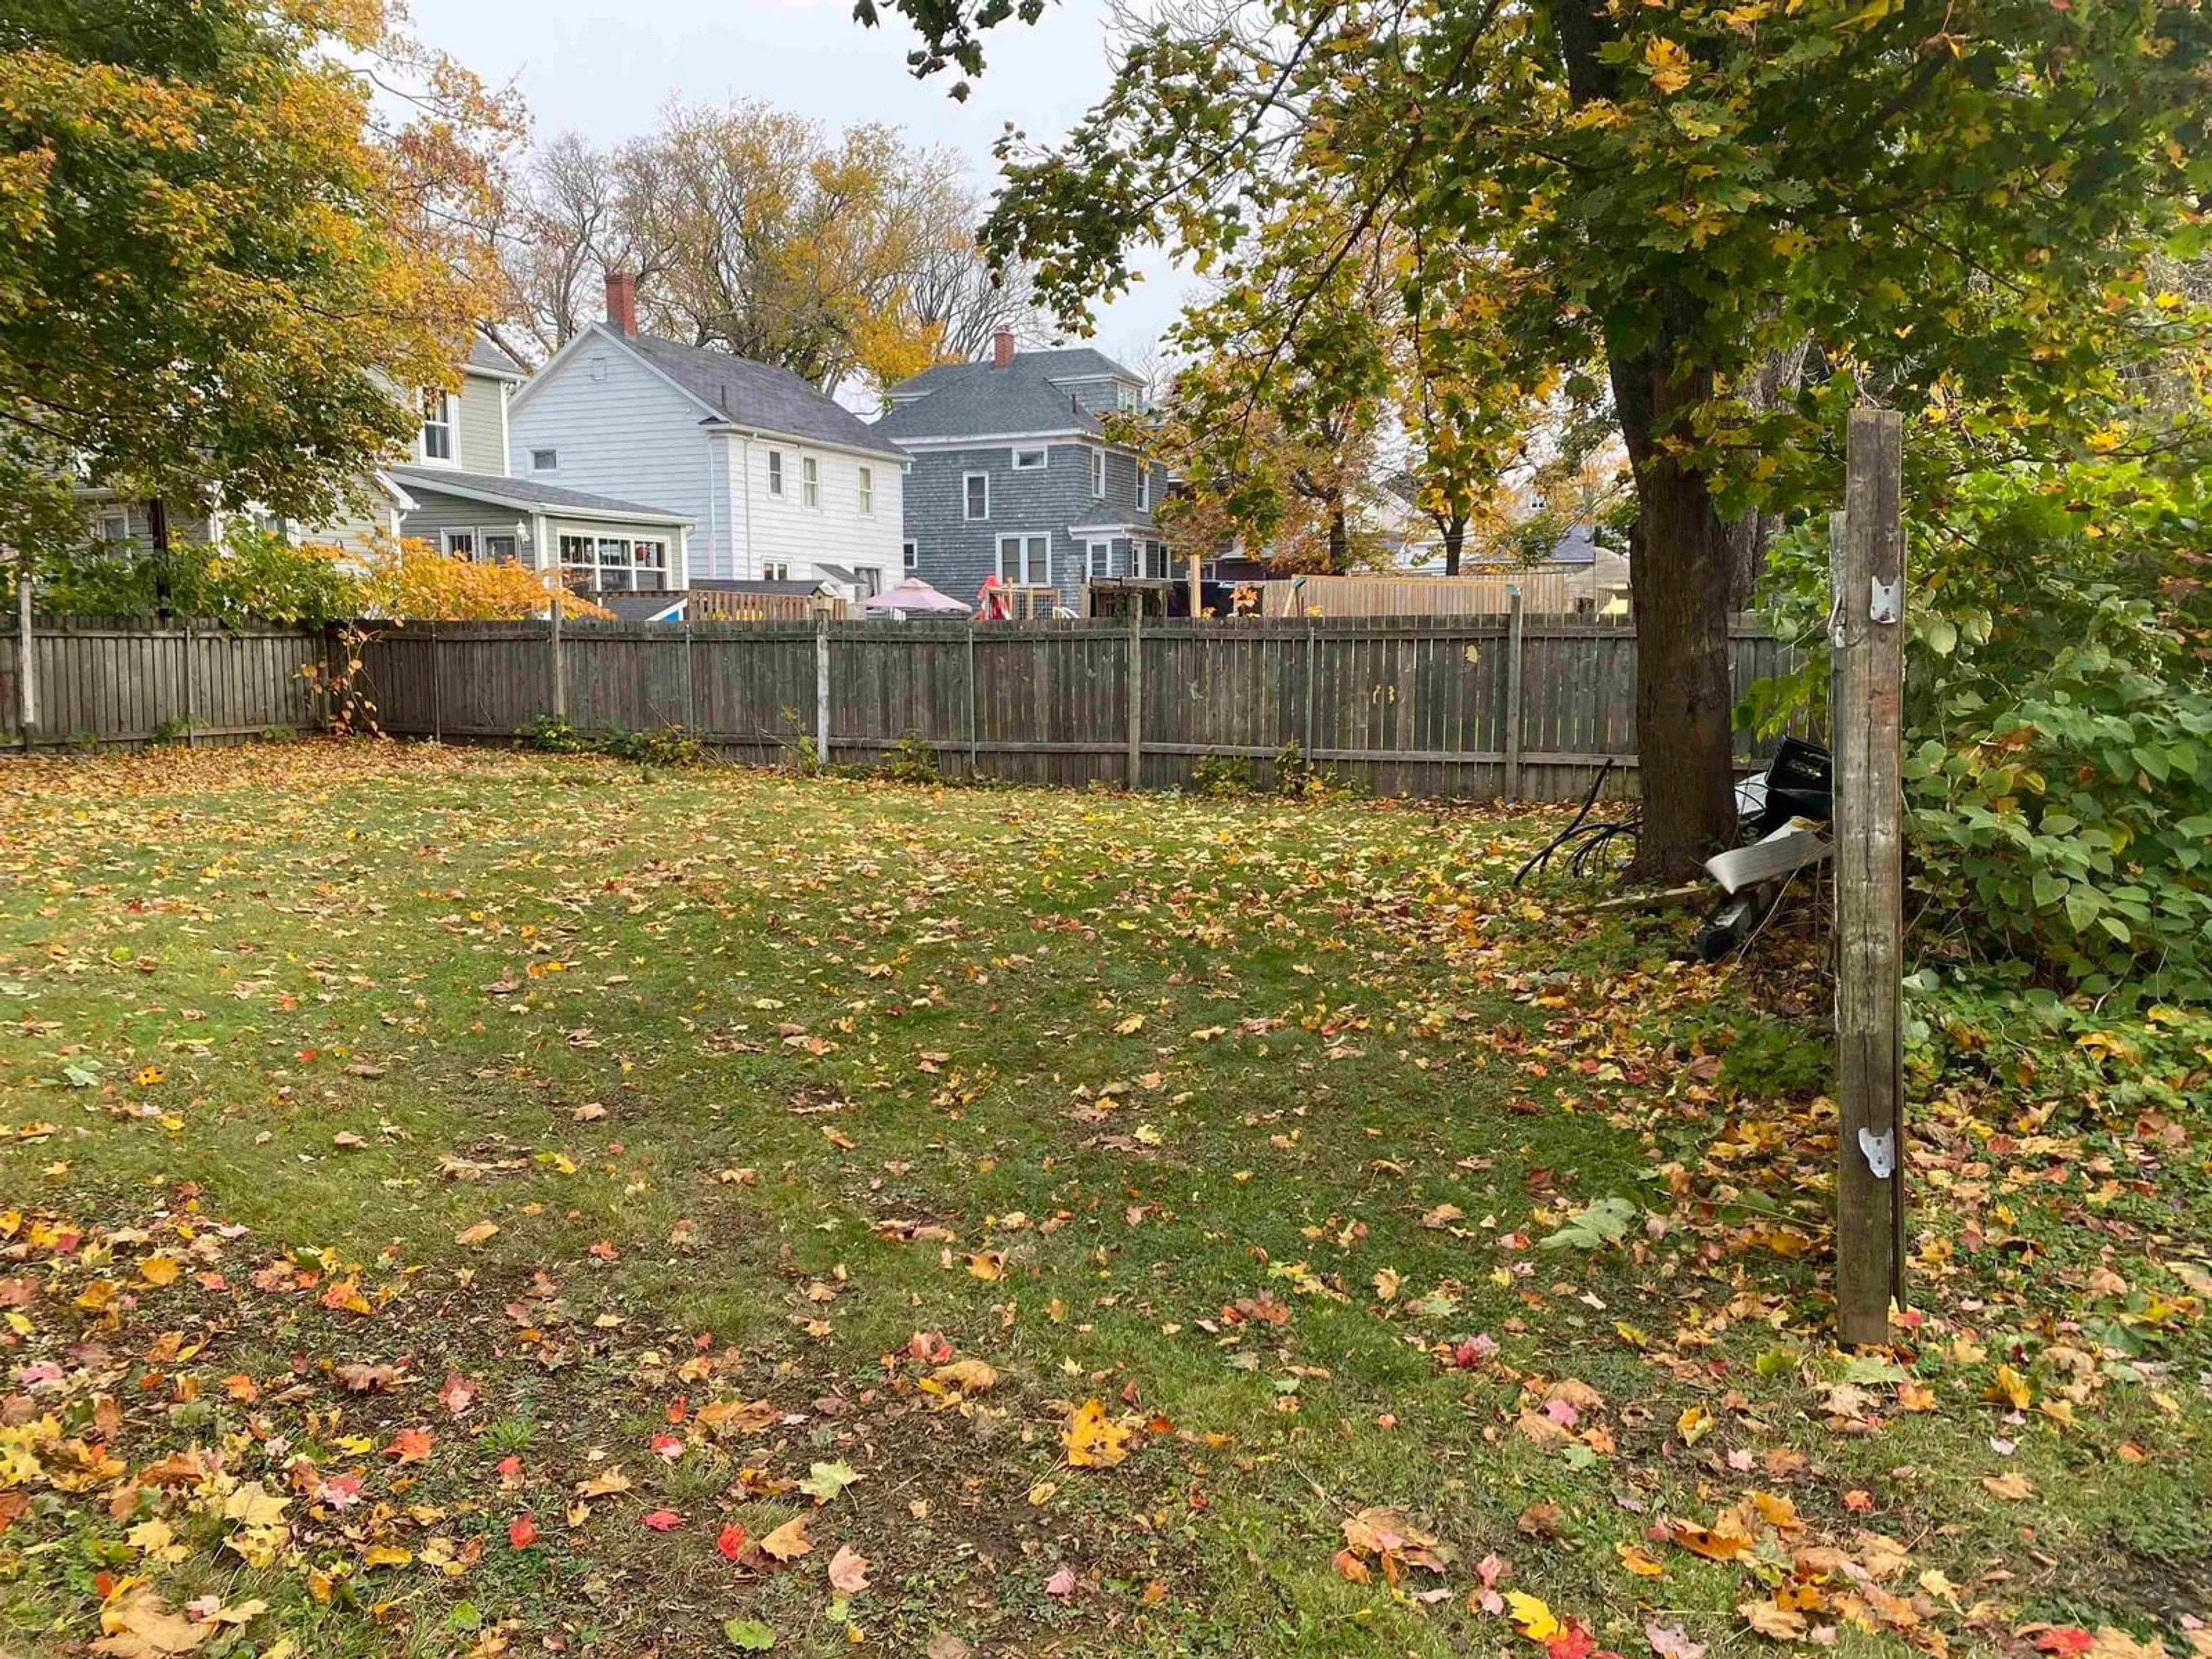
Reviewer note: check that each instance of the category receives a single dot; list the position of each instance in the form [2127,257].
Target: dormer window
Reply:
[437,426]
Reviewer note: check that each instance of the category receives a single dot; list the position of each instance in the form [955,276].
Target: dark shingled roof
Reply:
[638,607]
[484,354]
[958,400]
[726,585]
[526,493]
[759,395]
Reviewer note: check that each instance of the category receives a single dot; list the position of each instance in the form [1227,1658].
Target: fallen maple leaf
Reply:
[458,1395]
[477,1234]
[730,1542]
[144,1626]
[2011,1487]
[788,1541]
[1773,1619]
[1061,1583]
[1094,1441]
[849,1571]
[1530,1616]
[662,1519]
[1668,1642]
[410,1445]
[522,1531]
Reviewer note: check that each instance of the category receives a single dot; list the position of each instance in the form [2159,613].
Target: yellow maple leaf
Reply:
[1669,64]
[1094,1441]
[1530,1616]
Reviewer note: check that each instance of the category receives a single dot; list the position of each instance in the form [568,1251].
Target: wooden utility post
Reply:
[1197,600]
[1514,622]
[1868,634]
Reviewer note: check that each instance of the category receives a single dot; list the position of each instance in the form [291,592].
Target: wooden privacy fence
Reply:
[1546,590]
[1515,707]
[126,680]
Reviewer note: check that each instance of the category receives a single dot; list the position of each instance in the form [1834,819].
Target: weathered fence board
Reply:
[117,680]
[1430,706]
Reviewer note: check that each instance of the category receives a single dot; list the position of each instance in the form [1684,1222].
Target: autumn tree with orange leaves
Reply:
[234,237]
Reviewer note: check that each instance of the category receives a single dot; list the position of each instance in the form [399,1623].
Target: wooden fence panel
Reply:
[1418,706]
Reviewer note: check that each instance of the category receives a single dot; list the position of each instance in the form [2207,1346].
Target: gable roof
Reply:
[1029,395]
[526,496]
[486,357]
[759,397]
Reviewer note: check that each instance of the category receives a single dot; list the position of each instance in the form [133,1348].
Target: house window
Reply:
[810,476]
[545,460]
[437,426]
[775,472]
[498,547]
[115,529]
[867,490]
[460,544]
[614,564]
[977,495]
[1098,474]
[1025,560]
[1031,460]
[1098,559]
[910,558]
[1143,486]
[775,570]
[868,580]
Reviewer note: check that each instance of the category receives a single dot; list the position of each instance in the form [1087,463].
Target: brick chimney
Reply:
[622,300]
[1002,348]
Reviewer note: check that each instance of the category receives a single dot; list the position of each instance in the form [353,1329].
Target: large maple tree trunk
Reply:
[1679,576]
[1681,586]
[1455,542]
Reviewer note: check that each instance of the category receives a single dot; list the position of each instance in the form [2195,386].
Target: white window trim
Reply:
[1028,578]
[864,485]
[1099,475]
[1094,567]
[446,540]
[810,482]
[1043,451]
[966,516]
[449,413]
[1144,486]
[774,466]
[121,521]
[555,467]
[909,557]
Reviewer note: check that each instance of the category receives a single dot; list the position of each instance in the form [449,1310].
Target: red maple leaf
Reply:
[2065,1640]
[410,1445]
[522,1531]
[663,1520]
[731,1541]
[1573,1642]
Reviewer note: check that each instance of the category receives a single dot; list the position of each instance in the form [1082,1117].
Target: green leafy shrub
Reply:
[911,760]
[250,575]
[551,734]
[669,746]
[2058,720]
[1221,774]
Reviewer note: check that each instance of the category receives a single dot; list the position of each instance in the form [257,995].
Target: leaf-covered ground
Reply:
[458,1203]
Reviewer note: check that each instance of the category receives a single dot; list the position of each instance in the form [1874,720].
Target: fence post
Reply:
[553,656]
[26,656]
[690,681]
[437,691]
[1514,613]
[1313,661]
[191,698]
[1869,615]
[971,696]
[821,688]
[1136,769]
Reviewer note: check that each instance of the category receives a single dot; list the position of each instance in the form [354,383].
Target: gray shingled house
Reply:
[1013,476]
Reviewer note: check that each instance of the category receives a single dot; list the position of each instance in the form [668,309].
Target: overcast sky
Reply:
[605,69]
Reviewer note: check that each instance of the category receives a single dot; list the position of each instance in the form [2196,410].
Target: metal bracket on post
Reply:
[1879,1151]
[1888,603]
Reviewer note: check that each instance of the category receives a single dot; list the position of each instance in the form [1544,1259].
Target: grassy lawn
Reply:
[459,1203]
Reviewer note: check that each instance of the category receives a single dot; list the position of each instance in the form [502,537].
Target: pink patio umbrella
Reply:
[915,597]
